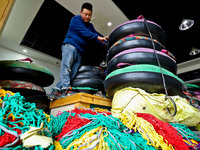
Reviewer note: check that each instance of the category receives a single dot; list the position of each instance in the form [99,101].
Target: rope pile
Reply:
[17,117]
[23,126]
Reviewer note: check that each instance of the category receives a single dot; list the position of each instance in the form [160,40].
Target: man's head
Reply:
[86,12]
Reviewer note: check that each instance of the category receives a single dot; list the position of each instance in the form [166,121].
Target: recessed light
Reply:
[109,23]
[25,51]
[186,24]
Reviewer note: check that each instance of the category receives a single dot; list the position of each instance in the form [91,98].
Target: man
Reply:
[74,45]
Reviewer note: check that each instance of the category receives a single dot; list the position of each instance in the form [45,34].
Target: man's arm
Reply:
[81,30]
[100,38]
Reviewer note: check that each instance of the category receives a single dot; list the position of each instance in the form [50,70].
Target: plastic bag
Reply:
[138,101]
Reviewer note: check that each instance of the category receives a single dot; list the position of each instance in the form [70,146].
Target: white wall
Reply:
[189,65]
[8,54]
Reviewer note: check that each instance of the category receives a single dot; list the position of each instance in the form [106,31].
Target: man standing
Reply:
[80,30]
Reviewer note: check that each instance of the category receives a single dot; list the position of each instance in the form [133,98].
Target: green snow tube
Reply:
[146,77]
[23,71]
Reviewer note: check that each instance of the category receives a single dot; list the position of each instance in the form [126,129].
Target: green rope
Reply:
[185,131]
[56,124]
[117,139]
[26,113]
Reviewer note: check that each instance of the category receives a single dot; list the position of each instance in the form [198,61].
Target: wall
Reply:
[189,65]
[8,54]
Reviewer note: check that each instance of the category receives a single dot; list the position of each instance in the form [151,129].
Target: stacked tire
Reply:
[89,79]
[27,78]
[132,61]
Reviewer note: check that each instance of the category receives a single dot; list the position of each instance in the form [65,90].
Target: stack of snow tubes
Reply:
[89,79]
[132,60]
[26,78]
[192,94]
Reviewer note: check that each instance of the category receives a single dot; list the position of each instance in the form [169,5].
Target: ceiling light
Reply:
[24,50]
[186,24]
[103,64]
[194,51]
[109,24]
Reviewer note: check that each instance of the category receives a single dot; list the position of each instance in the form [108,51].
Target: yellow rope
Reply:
[146,129]
[89,139]
[58,146]
[3,93]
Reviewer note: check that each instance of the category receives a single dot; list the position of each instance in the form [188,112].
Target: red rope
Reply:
[72,123]
[83,111]
[8,138]
[75,122]
[89,111]
[168,132]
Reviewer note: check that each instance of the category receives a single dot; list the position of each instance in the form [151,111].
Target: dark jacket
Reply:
[79,33]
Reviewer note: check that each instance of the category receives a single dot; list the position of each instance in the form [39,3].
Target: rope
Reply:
[167,131]
[16,118]
[146,129]
[85,129]
[162,75]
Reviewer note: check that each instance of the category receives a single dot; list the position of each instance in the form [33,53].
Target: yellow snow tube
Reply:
[138,101]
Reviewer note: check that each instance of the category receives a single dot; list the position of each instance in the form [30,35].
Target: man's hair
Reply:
[86,6]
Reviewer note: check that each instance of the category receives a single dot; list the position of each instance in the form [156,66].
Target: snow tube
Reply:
[192,87]
[138,28]
[128,44]
[85,90]
[92,83]
[24,88]
[41,101]
[142,56]
[93,69]
[88,75]
[23,71]
[146,77]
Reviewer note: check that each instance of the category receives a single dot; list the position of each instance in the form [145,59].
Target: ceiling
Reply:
[40,26]
[169,16]
[50,25]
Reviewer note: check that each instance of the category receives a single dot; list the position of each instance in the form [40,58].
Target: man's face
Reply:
[86,14]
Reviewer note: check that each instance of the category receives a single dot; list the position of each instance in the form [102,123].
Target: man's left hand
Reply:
[103,39]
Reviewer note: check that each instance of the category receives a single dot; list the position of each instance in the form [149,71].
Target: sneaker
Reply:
[56,92]
[71,93]
[65,92]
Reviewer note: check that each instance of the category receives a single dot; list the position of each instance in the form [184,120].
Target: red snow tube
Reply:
[138,28]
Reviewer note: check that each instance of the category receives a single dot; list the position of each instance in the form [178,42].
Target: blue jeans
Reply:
[71,60]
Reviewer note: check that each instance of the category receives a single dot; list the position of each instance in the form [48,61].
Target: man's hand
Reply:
[102,39]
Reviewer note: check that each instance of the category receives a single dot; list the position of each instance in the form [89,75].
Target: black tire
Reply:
[138,28]
[16,70]
[190,88]
[41,101]
[135,56]
[85,91]
[92,83]
[93,69]
[131,44]
[148,81]
[88,75]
